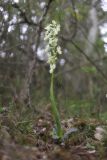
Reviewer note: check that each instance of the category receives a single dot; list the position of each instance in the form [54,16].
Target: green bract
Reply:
[52,49]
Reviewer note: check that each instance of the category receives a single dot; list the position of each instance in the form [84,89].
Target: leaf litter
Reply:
[30,138]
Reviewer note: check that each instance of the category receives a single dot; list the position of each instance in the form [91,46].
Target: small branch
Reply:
[23,15]
[45,11]
[75,17]
[86,56]
[79,66]
[8,49]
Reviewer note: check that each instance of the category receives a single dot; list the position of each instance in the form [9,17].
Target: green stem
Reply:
[55,112]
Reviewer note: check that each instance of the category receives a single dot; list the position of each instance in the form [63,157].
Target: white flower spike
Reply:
[53,49]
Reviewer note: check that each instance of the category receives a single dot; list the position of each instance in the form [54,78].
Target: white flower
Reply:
[48,27]
[54,22]
[47,48]
[52,67]
[52,48]
[59,50]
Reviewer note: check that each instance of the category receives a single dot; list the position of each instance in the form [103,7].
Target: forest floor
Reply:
[27,135]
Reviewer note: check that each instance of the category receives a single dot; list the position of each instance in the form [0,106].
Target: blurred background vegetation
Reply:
[81,72]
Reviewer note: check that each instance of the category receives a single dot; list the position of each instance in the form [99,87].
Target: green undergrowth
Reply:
[79,108]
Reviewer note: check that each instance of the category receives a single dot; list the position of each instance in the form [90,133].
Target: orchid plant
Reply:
[53,50]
